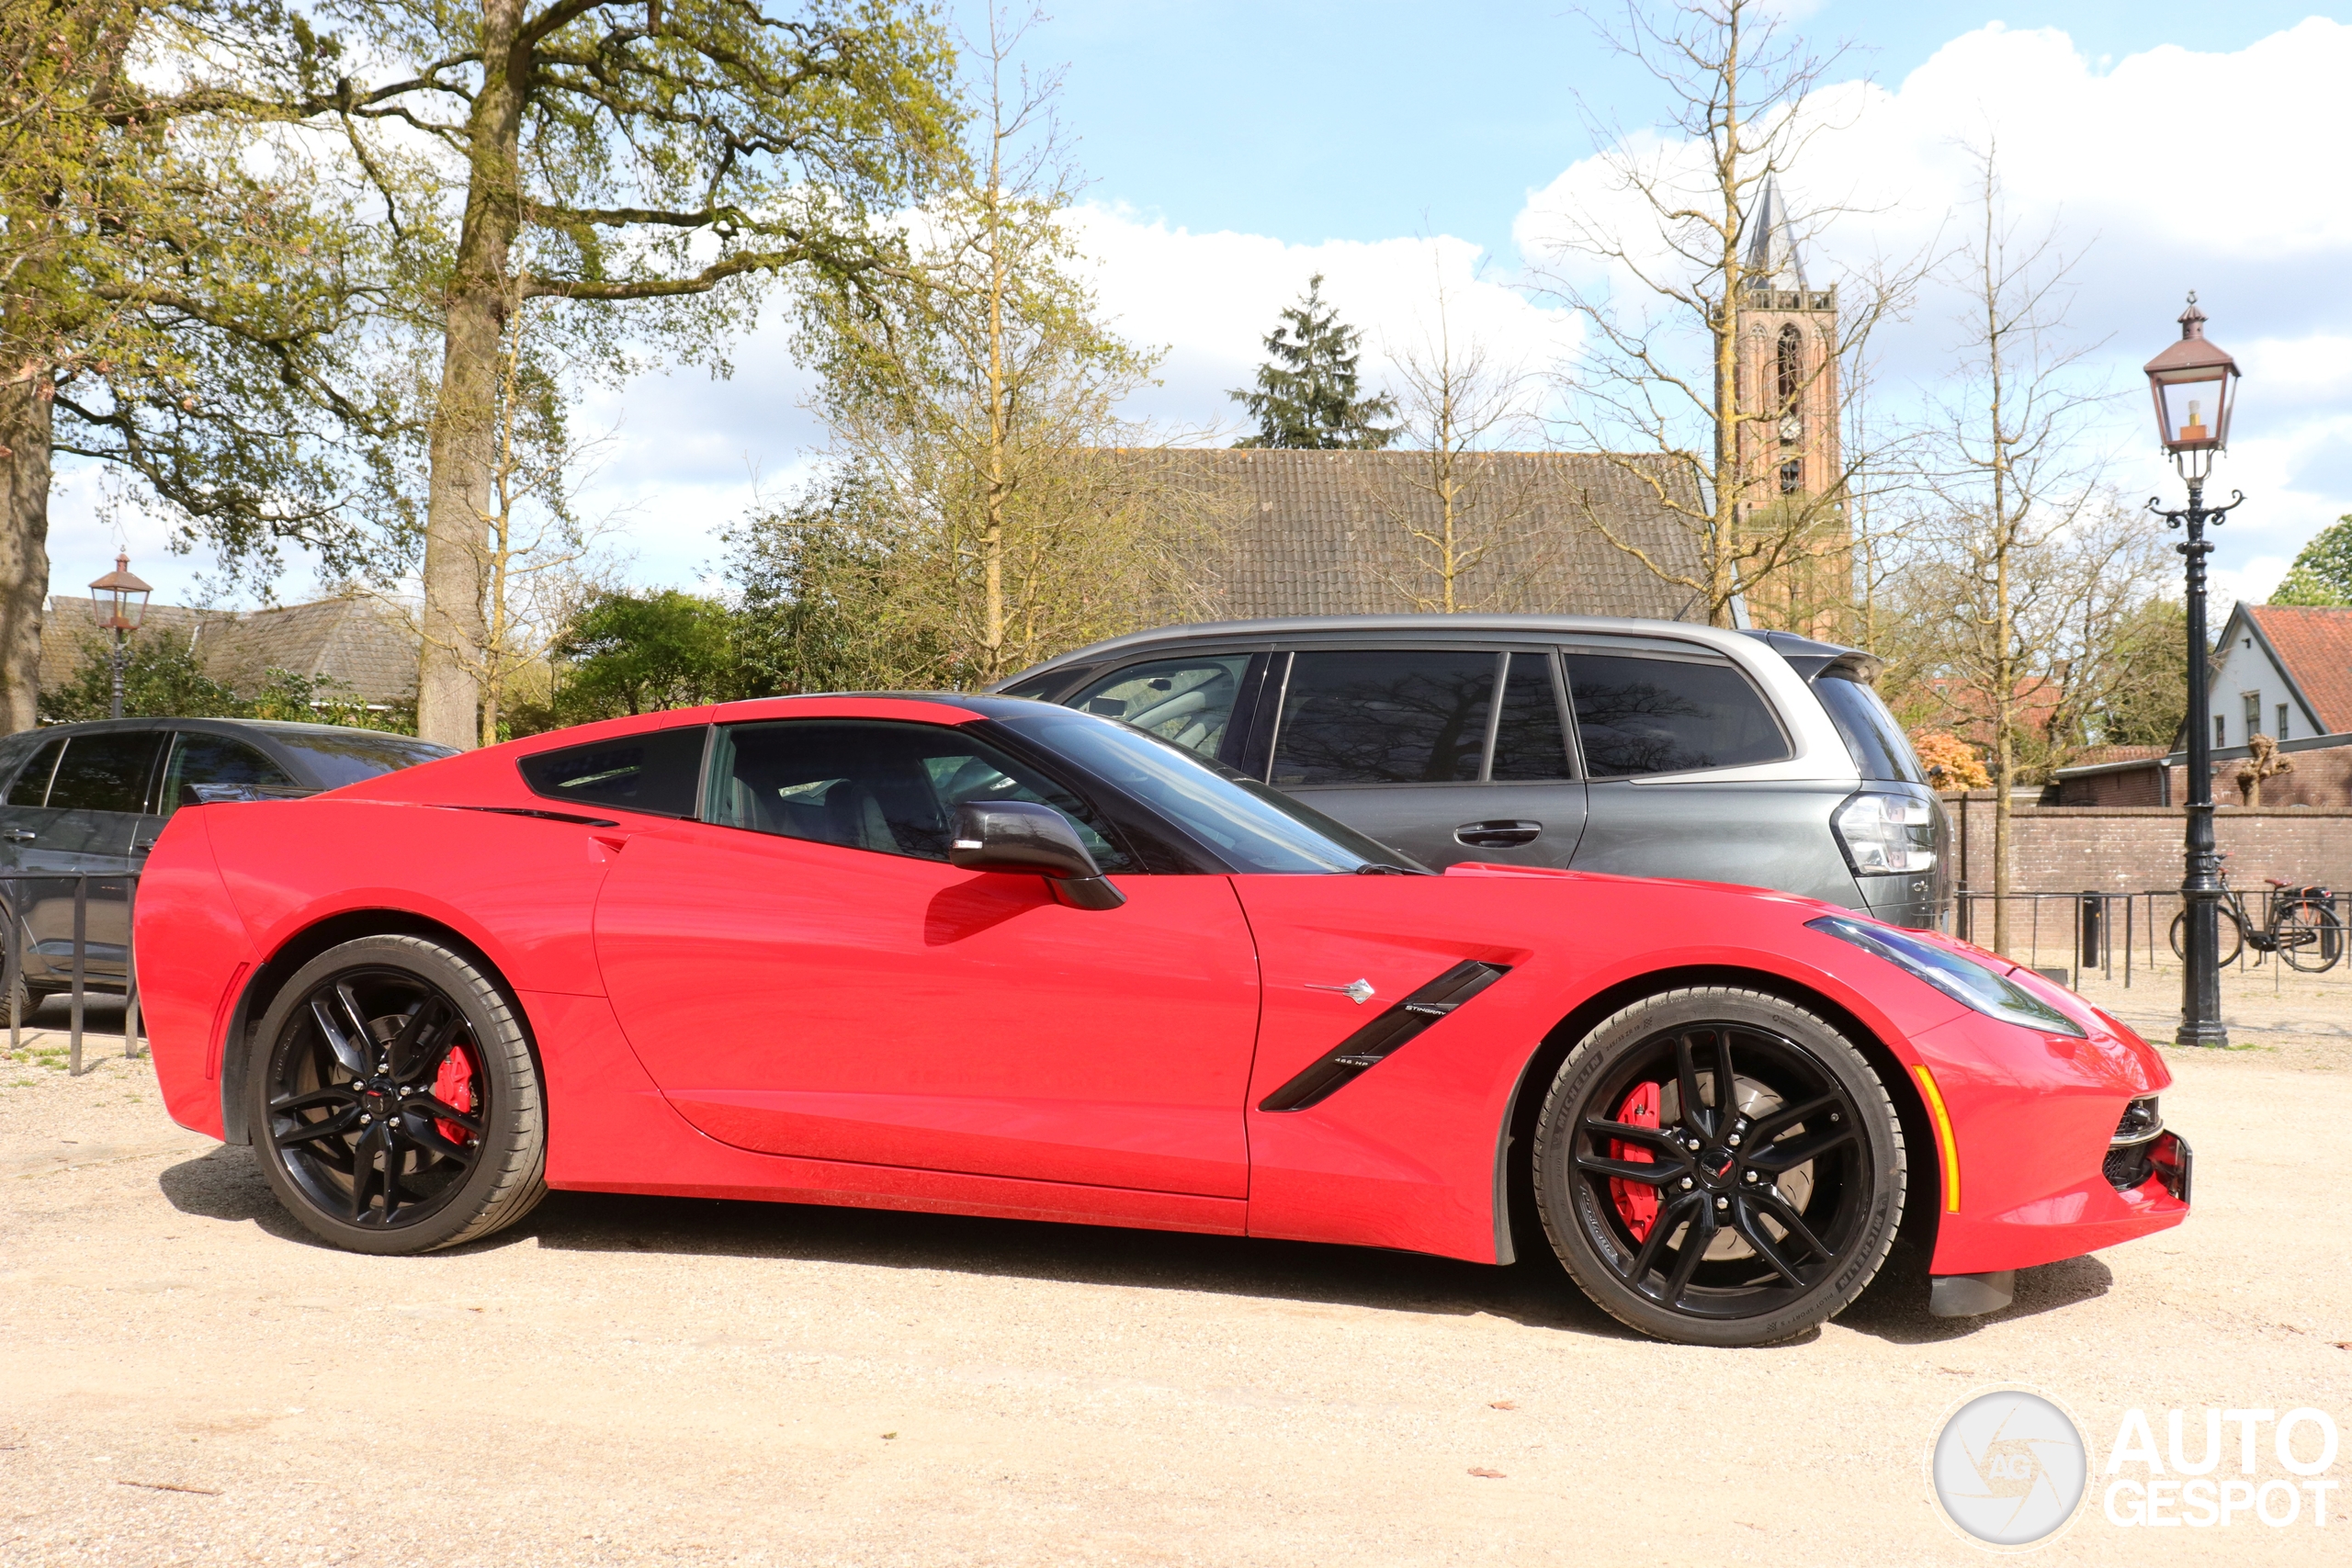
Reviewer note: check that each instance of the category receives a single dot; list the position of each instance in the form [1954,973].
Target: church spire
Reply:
[1772,261]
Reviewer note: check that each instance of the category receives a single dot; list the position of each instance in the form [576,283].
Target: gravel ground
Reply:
[190,1380]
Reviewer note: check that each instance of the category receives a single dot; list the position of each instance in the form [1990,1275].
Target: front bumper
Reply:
[2033,1117]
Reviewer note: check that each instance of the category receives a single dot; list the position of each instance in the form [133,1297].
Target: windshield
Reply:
[339,760]
[1251,827]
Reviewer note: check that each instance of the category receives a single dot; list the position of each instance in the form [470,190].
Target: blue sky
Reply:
[1233,149]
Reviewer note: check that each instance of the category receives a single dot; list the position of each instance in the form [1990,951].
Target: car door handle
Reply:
[143,845]
[19,836]
[1496,835]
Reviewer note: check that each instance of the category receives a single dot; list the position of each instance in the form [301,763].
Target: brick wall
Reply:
[2121,848]
[2323,777]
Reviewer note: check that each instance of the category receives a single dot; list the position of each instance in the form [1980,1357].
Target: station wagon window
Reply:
[1878,746]
[1641,714]
[1529,742]
[1187,701]
[658,773]
[215,760]
[30,786]
[1384,717]
[873,784]
[105,771]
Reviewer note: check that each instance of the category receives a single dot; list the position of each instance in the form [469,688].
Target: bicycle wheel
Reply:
[2231,934]
[2308,935]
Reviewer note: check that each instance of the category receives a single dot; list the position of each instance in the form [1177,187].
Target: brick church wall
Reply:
[2115,849]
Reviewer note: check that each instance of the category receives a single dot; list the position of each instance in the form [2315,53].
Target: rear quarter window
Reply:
[1880,748]
[658,773]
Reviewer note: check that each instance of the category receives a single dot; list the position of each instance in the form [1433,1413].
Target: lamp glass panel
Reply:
[2193,410]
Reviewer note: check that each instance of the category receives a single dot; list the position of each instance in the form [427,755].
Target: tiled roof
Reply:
[2315,646]
[364,645]
[1328,533]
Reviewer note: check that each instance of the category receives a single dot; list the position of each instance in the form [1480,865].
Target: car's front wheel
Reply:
[396,1106]
[1719,1166]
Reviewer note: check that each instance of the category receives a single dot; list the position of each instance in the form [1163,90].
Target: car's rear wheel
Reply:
[1719,1166]
[396,1106]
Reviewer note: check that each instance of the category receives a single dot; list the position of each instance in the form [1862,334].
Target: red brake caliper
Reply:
[452,1086]
[1636,1203]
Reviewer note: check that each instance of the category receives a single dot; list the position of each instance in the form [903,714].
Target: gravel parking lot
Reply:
[190,1379]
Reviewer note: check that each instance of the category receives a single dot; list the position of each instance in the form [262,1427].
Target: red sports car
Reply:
[989,956]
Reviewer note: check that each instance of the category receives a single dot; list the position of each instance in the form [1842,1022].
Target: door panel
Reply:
[1422,819]
[96,803]
[835,1003]
[1757,833]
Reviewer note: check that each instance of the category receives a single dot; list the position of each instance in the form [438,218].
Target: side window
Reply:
[1664,716]
[214,759]
[105,773]
[30,786]
[1380,718]
[656,773]
[873,784]
[1188,701]
[1529,742]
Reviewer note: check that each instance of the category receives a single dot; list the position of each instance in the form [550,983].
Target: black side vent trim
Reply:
[1383,1037]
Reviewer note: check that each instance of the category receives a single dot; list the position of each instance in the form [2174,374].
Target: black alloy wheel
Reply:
[1719,1166]
[397,1107]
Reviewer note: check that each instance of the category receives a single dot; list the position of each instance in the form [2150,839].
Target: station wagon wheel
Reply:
[396,1105]
[1719,1166]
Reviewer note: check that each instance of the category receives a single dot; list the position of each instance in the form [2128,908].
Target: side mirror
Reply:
[1021,836]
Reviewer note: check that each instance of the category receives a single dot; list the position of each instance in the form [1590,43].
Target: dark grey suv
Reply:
[1643,747]
[91,798]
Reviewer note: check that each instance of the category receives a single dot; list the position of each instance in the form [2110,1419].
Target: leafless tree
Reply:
[1660,373]
[1466,523]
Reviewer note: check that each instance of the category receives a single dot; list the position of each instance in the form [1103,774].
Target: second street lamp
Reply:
[121,601]
[2195,386]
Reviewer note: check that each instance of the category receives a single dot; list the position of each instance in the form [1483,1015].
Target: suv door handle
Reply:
[19,835]
[1496,835]
[143,845]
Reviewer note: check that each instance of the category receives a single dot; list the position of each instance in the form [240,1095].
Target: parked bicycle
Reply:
[2303,928]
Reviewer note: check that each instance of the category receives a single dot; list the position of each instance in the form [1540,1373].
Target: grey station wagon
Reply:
[1643,748]
[89,798]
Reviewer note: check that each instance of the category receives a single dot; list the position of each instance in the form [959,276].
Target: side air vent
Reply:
[1378,1040]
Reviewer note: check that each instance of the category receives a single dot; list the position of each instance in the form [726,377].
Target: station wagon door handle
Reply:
[142,846]
[1496,835]
[19,836]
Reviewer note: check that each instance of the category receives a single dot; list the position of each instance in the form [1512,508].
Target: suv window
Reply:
[30,786]
[214,759]
[1881,751]
[105,773]
[1662,715]
[1529,742]
[657,772]
[1188,701]
[1384,717]
[873,784]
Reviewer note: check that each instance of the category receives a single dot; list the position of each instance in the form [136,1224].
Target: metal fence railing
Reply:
[2095,932]
[13,975]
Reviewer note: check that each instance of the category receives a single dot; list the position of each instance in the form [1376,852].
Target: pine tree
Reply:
[1307,389]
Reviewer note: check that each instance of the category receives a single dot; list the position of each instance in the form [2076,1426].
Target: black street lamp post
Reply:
[2195,386]
[121,601]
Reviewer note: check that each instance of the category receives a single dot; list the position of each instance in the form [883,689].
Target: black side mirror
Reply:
[1021,836]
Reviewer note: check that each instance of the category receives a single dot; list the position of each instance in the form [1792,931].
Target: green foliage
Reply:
[1308,393]
[641,652]
[195,296]
[2322,574]
[163,678]
[813,588]
[2146,703]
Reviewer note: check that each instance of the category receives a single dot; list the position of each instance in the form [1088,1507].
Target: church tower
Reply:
[1786,380]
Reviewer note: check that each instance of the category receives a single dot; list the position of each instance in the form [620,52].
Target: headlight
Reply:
[1963,979]
[1887,834]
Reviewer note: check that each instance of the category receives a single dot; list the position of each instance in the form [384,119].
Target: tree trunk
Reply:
[25,414]
[448,684]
